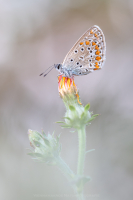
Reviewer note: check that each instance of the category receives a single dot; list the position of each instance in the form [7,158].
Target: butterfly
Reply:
[87,55]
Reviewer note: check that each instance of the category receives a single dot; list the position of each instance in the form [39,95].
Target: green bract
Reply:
[77,116]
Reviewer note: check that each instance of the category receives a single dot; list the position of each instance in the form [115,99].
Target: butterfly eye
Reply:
[76,51]
[58,66]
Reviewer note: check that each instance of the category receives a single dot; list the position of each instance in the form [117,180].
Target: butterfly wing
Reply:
[88,54]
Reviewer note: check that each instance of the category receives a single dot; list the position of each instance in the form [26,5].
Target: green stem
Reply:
[80,169]
[80,196]
[68,174]
[81,159]
[82,150]
[65,169]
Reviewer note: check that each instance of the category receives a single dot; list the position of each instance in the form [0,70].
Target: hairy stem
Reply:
[65,169]
[82,150]
[81,159]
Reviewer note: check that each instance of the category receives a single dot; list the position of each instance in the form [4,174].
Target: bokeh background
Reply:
[33,36]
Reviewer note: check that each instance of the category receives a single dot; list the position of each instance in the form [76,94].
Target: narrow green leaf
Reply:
[85,179]
[36,143]
[90,120]
[39,134]
[65,126]
[44,134]
[60,122]
[67,118]
[72,108]
[81,182]
[93,117]
[46,141]
[82,115]
[58,137]
[53,134]
[73,131]
[87,107]
[90,150]
[35,155]
[60,147]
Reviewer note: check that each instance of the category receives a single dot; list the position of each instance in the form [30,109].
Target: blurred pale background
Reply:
[33,36]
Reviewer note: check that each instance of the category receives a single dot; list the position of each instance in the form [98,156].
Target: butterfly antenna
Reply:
[46,70]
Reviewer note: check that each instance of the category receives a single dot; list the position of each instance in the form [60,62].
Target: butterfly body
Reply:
[65,70]
[87,55]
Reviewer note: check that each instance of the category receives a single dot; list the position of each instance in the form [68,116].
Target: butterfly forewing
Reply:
[88,53]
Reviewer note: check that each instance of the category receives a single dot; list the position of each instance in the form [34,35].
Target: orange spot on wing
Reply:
[95,35]
[96,65]
[97,53]
[96,47]
[91,32]
[87,42]
[93,43]
[98,58]
[81,43]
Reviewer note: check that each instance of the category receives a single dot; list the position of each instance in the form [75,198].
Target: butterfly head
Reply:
[58,67]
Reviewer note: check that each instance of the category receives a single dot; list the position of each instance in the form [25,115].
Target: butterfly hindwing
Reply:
[88,53]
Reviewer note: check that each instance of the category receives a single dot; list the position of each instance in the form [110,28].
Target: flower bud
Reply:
[46,147]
